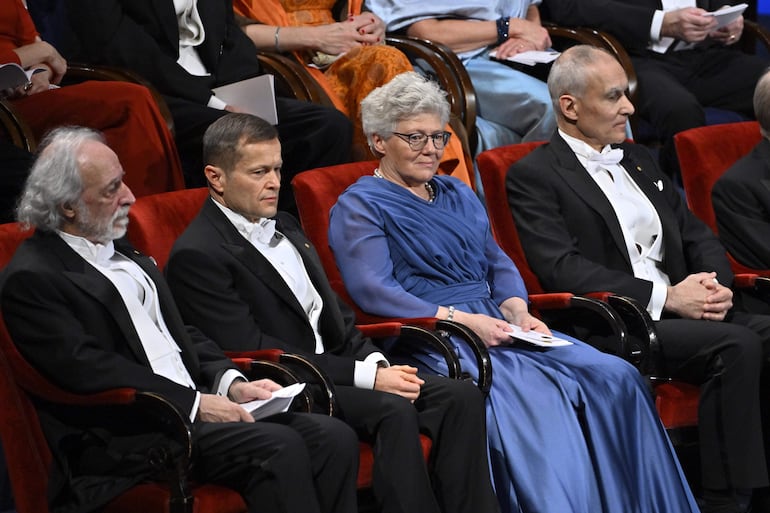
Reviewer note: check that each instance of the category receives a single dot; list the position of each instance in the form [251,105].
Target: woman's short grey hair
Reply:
[569,75]
[54,179]
[405,96]
[762,103]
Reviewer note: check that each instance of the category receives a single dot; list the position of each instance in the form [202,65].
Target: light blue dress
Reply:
[570,429]
[512,106]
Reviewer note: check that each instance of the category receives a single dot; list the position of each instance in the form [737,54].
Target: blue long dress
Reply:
[570,429]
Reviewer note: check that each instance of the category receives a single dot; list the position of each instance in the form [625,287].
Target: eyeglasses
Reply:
[417,140]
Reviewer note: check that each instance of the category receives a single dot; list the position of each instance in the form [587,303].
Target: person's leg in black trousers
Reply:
[451,413]
[287,463]
[725,360]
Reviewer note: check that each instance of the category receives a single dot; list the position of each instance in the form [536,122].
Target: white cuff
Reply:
[227,379]
[656,26]
[657,300]
[196,405]
[216,103]
[365,372]
[658,44]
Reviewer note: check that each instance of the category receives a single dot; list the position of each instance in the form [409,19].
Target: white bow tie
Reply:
[263,231]
[597,161]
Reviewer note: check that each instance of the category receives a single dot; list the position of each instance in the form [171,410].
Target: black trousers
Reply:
[726,359]
[287,463]
[675,87]
[311,136]
[451,413]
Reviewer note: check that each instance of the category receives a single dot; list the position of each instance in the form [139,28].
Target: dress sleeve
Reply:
[503,276]
[360,245]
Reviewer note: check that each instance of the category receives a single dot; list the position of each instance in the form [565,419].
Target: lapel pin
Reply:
[659,185]
[639,168]
[307,245]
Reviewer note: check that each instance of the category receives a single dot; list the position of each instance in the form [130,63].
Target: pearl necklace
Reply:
[428,185]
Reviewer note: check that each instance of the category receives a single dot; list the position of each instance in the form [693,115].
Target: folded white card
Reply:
[278,403]
[536,338]
[254,95]
[727,15]
[531,58]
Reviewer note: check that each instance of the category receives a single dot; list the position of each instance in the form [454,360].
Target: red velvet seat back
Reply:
[157,220]
[704,154]
[26,452]
[707,152]
[493,166]
[316,192]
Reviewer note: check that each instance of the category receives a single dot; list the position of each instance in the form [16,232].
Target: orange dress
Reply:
[352,76]
[126,113]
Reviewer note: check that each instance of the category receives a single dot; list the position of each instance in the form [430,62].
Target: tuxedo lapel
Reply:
[93,283]
[167,16]
[242,250]
[577,178]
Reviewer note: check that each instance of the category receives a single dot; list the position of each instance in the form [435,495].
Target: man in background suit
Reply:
[741,196]
[91,313]
[595,213]
[246,276]
[682,61]
[187,48]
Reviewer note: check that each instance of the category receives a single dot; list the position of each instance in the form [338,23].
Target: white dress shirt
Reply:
[141,299]
[285,258]
[638,219]
[662,44]
[192,34]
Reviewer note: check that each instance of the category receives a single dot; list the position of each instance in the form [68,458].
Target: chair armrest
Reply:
[435,333]
[448,71]
[754,33]
[288,368]
[422,331]
[566,307]
[292,80]
[15,128]
[754,285]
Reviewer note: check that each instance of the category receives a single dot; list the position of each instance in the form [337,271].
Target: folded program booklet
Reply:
[536,338]
[278,403]
[727,15]
[254,95]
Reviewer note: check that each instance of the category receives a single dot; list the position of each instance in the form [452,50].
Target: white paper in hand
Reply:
[254,96]
[278,403]
[536,338]
[727,15]
[532,57]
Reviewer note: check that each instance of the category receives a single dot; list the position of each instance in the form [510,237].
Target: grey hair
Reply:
[762,103]
[54,179]
[406,95]
[568,74]
[225,136]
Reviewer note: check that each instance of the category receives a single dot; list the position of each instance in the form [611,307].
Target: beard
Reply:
[103,230]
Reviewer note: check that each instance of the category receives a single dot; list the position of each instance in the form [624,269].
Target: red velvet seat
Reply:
[676,402]
[704,154]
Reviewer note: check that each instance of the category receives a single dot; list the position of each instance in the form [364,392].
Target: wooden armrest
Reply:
[16,129]
[286,369]
[292,80]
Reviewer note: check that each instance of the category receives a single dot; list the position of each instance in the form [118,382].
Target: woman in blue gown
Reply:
[570,429]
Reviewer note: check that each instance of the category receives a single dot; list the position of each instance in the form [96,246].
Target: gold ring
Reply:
[732,36]
[27,87]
